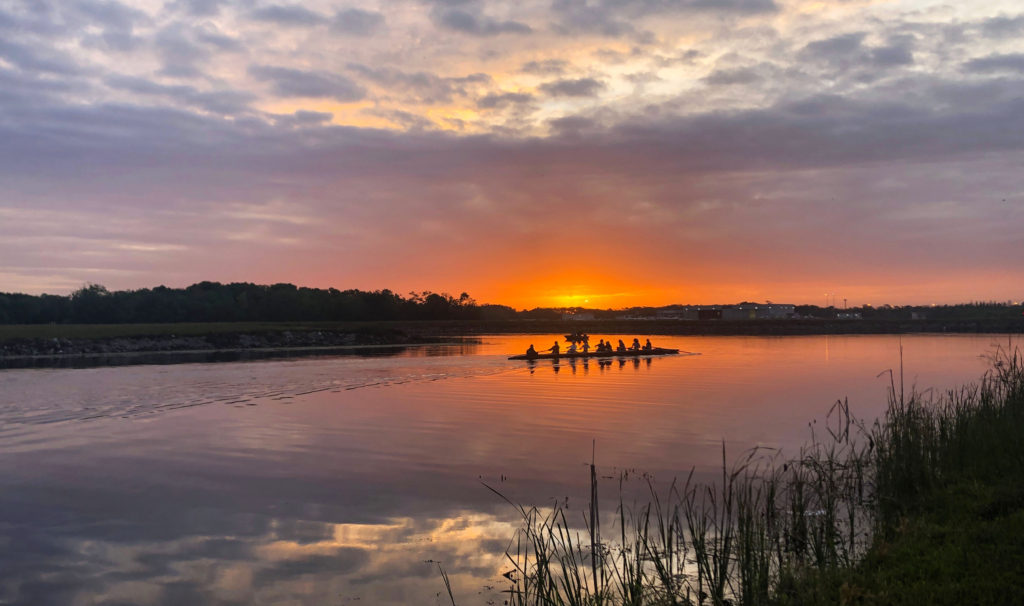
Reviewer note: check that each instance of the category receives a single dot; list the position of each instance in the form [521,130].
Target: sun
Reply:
[571,300]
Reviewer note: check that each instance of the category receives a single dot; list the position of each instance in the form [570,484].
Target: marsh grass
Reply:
[772,530]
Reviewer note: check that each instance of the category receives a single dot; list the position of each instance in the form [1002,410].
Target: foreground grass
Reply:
[924,507]
[950,501]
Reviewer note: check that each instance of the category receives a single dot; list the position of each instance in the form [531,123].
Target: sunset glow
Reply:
[532,154]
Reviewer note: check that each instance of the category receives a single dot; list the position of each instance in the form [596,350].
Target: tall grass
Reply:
[767,527]
[973,432]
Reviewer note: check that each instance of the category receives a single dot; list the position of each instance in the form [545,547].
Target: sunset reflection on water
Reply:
[340,479]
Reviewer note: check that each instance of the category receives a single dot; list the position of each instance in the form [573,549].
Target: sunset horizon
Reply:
[583,296]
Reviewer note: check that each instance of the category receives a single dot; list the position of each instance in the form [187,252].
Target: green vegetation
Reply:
[924,507]
[238,302]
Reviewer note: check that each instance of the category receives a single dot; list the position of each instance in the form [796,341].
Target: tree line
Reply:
[239,302]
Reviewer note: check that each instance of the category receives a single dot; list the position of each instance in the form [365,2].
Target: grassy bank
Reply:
[926,506]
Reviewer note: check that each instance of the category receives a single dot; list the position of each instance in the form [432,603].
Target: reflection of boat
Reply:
[657,351]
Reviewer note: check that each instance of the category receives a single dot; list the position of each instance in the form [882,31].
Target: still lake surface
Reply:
[337,480]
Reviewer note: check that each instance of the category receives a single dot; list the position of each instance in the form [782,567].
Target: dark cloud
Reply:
[180,52]
[848,52]
[423,87]
[105,25]
[1003,27]
[357,22]
[114,41]
[197,8]
[836,46]
[891,56]
[20,89]
[209,35]
[41,22]
[547,67]
[289,82]
[616,19]
[733,76]
[466,22]
[34,58]
[224,102]
[579,87]
[308,118]
[498,100]
[582,17]
[287,14]
[996,63]
[110,14]
[572,126]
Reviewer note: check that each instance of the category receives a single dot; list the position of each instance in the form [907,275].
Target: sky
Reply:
[604,153]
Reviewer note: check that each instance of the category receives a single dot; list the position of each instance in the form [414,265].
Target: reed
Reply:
[773,531]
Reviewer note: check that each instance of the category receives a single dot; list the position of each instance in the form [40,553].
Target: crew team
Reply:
[602,347]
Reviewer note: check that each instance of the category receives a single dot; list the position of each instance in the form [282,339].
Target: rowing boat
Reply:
[657,351]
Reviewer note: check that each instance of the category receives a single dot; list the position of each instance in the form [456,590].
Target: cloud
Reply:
[111,14]
[1003,27]
[357,22]
[180,52]
[617,19]
[733,76]
[996,63]
[572,126]
[289,15]
[889,56]
[305,118]
[34,59]
[423,87]
[459,20]
[407,120]
[288,82]
[224,102]
[579,87]
[848,52]
[499,100]
[836,46]
[547,67]
[197,8]
[898,51]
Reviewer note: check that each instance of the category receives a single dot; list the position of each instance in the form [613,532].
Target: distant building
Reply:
[743,311]
[579,316]
[758,311]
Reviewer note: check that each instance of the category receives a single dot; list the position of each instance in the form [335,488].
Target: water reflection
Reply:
[220,557]
[455,348]
[340,479]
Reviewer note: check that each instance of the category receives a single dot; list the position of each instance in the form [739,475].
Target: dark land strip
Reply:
[101,344]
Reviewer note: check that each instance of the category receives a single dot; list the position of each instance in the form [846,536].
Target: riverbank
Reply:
[115,344]
[78,339]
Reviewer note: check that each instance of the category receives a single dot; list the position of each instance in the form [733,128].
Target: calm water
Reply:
[342,479]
